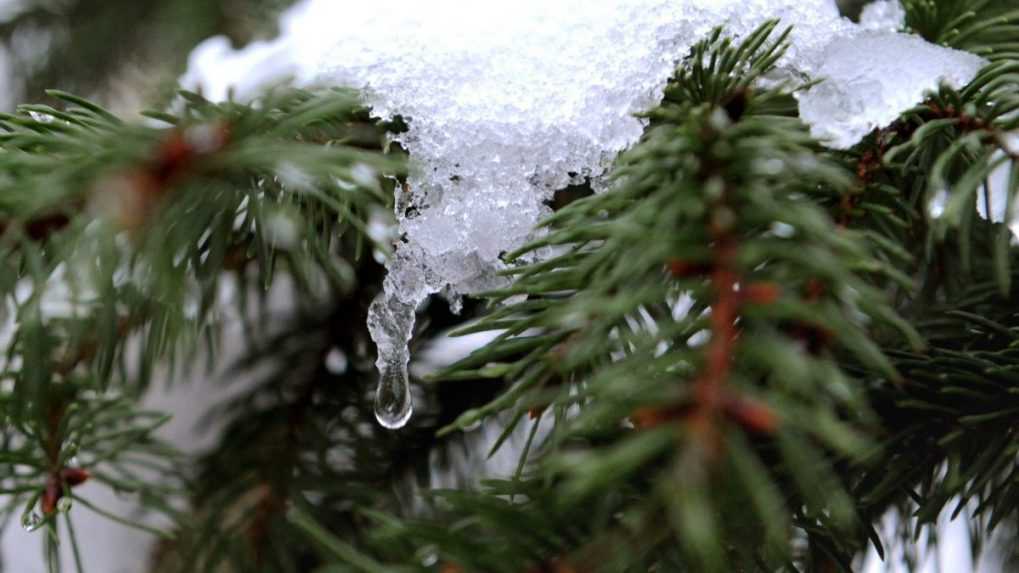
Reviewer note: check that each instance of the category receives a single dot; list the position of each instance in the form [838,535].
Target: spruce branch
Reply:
[740,356]
[112,230]
[948,147]
[926,173]
[301,452]
[984,27]
[691,243]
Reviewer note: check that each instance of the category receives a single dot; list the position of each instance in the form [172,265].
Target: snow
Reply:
[883,16]
[872,77]
[221,71]
[509,101]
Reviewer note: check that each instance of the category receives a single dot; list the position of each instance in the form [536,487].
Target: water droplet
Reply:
[336,361]
[41,117]
[393,404]
[31,521]
[64,505]
[391,323]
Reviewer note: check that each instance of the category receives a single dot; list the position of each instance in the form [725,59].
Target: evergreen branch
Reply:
[132,227]
[984,27]
[604,335]
[948,147]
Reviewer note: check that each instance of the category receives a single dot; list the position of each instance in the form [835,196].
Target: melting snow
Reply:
[509,101]
[872,77]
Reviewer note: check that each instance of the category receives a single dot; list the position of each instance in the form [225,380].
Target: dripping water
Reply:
[391,323]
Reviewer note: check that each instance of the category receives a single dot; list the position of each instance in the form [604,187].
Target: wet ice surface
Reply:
[509,101]
[391,323]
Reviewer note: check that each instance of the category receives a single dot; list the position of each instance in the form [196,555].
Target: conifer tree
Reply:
[743,350]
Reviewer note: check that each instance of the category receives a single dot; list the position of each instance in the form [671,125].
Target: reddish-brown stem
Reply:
[59,477]
[709,389]
[711,398]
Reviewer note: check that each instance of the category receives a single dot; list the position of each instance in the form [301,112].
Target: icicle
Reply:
[391,322]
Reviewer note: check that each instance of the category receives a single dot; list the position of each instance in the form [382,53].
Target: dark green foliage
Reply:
[739,357]
[595,344]
[986,27]
[142,223]
[949,426]
[947,148]
[178,207]
[302,450]
[712,218]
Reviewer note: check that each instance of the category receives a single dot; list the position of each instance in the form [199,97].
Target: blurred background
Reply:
[127,55]
[124,53]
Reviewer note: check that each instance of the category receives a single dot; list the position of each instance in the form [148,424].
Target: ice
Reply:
[883,16]
[391,323]
[869,78]
[507,101]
